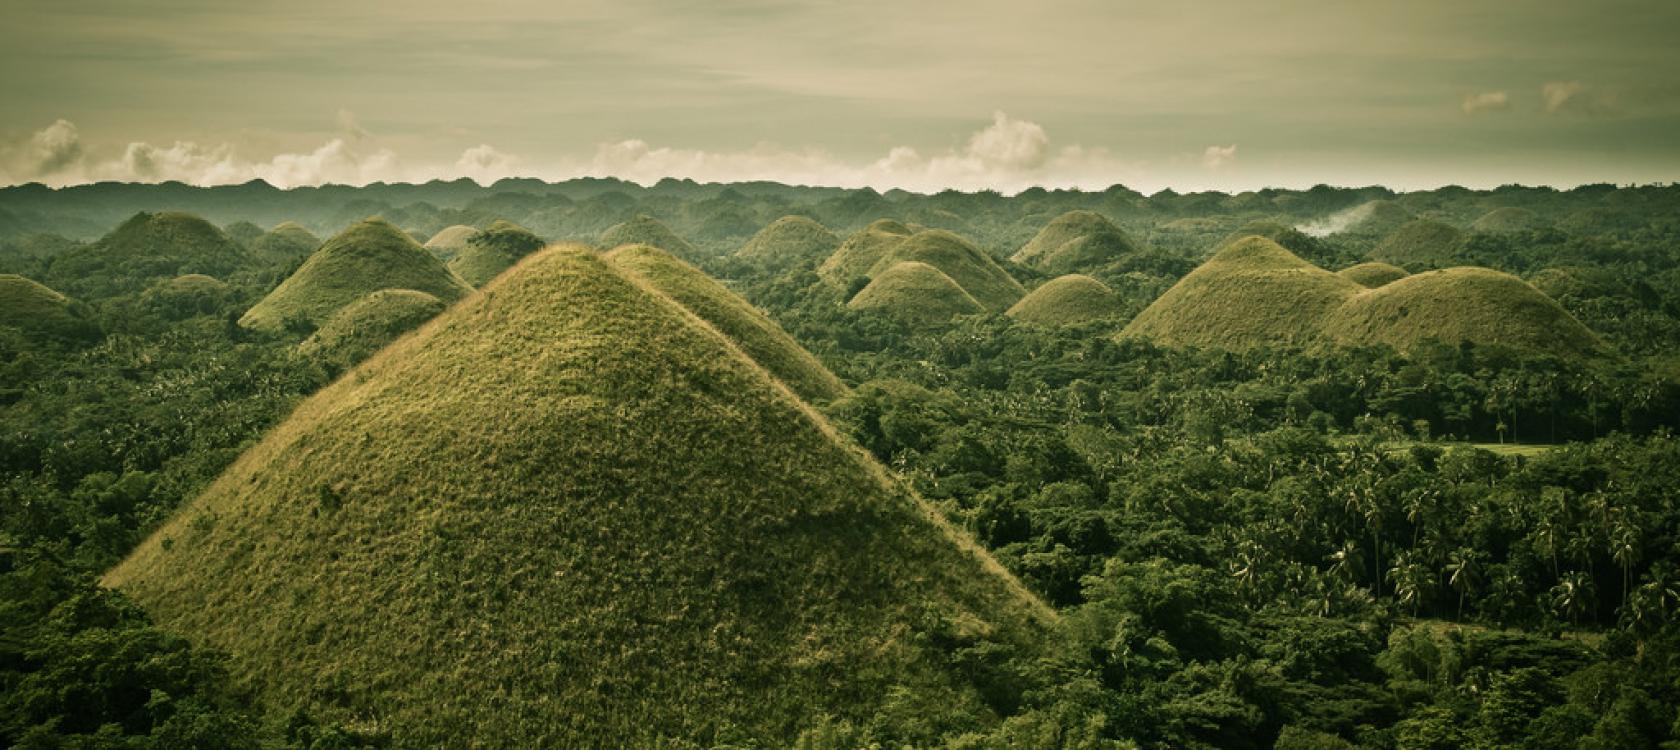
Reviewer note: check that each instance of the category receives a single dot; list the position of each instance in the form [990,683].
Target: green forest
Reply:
[749,465]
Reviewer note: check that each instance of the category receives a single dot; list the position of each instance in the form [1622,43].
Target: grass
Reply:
[36,310]
[367,257]
[490,252]
[283,244]
[646,230]
[1076,240]
[1252,293]
[1373,274]
[1454,305]
[917,293]
[788,241]
[860,252]
[1507,219]
[1290,238]
[753,331]
[450,240]
[569,512]
[1419,242]
[368,324]
[1067,300]
[972,269]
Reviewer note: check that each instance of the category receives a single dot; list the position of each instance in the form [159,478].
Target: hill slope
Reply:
[646,230]
[1476,305]
[917,293]
[1252,293]
[283,244]
[1419,242]
[490,252]
[1508,219]
[1073,241]
[567,512]
[1067,300]
[973,270]
[450,240]
[757,336]
[368,324]
[788,241]
[39,311]
[369,256]
[860,252]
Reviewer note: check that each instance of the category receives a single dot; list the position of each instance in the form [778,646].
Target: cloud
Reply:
[1011,144]
[1217,157]
[350,126]
[336,161]
[1486,101]
[1574,97]
[486,165]
[54,151]
[185,162]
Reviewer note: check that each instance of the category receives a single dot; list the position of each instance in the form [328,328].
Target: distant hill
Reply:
[916,293]
[365,326]
[975,271]
[758,336]
[367,257]
[1252,293]
[789,241]
[149,246]
[1420,242]
[646,230]
[1455,305]
[490,252]
[41,312]
[1507,219]
[450,240]
[1067,300]
[1290,238]
[861,251]
[1373,274]
[284,244]
[567,513]
[1076,240]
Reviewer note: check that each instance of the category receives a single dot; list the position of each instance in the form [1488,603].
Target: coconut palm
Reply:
[1464,572]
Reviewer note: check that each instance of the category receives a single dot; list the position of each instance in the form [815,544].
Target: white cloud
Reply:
[1485,101]
[53,153]
[350,126]
[486,165]
[1216,157]
[1010,144]
[336,161]
[185,161]
[1574,97]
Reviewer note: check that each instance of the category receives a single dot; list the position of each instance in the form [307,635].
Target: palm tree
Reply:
[1625,548]
[1412,581]
[1345,562]
[1463,573]
[1573,596]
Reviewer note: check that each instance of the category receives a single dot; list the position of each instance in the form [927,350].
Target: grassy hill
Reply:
[861,251]
[1372,274]
[1420,242]
[450,240]
[283,244]
[368,324]
[38,311]
[369,256]
[972,269]
[1378,217]
[1454,305]
[1580,282]
[1076,240]
[788,241]
[917,293]
[646,230]
[490,252]
[148,246]
[1252,293]
[1067,300]
[567,513]
[753,331]
[1508,219]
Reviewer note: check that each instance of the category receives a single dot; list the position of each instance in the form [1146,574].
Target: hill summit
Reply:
[1067,300]
[917,293]
[646,230]
[569,512]
[788,241]
[492,251]
[1076,240]
[368,256]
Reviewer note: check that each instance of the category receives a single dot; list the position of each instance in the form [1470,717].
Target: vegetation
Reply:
[916,293]
[972,269]
[646,230]
[284,245]
[625,530]
[1372,274]
[450,240]
[365,258]
[1076,240]
[860,252]
[1508,220]
[1456,305]
[35,310]
[490,252]
[365,326]
[1068,300]
[788,241]
[1420,243]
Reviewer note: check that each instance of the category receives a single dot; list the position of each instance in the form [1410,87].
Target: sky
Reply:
[924,96]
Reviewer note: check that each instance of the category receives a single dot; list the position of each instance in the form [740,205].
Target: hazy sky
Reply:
[972,94]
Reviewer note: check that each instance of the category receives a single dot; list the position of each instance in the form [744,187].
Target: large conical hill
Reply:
[39,311]
[1067,300]
[1420,242]
[284,244]
[365,326]
[1076,240]
[861,251]
[170,243]
[916,293]
[368,256]
[568,513]
[646,230]
[1458,305]
[490,252]
[450,240]
[788,241]
[973,270]
[753,331]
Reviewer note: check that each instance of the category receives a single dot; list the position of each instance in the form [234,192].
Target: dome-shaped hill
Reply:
[1599,220]
[186,296]
[38,311]
[1508,219]
[788,241]
[168,244]
[490,252]
[1067,300]
[916,293]
[283,244]
[368,324]
[861,251]
[1454,305]
[450,240]
[972,269]
[758,336]
[646,230]
[1420,242]
[1073,241]
[369,256]
[1290,238]
[1580,283]
[1372,274]
[243,232]
[1253,293]
[566,513]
